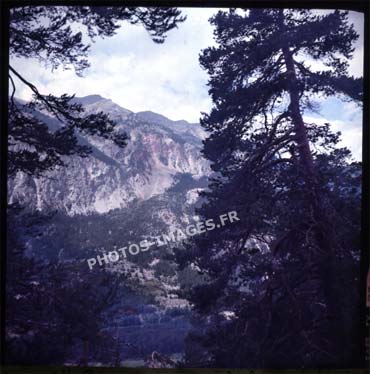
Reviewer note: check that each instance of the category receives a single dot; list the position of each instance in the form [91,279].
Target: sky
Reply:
[140,75]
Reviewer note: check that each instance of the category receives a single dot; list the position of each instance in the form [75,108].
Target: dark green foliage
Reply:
[58,311]
[46,33]
[51,307]
[185,181]
[82,236]
[69,241]
[279,287]
[33,148]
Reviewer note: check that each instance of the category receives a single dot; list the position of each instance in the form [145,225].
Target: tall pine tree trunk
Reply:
[324,235]
[303,145]
[299,126]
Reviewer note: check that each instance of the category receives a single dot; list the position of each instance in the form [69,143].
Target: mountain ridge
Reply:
[93,99]
[110,177]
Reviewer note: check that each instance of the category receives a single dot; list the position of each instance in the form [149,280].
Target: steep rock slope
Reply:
[111,177]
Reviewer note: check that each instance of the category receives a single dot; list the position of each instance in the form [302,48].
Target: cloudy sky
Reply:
[166,78]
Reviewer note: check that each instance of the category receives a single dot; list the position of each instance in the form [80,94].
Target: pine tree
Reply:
[275,284]
[48,34]
[53,308]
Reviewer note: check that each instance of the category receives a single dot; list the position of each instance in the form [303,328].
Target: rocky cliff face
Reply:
[118,196]
[111,177]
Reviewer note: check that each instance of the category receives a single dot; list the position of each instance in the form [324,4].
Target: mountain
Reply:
[111,177]
[118,196]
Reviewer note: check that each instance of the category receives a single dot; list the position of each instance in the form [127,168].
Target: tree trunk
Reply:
[324,259]
[85,355]
[299,126]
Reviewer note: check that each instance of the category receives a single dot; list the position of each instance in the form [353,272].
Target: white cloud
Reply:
[166,78]
[343,116]
[138,74]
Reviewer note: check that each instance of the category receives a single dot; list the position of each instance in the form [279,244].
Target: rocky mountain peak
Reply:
[90,99]
[159,150]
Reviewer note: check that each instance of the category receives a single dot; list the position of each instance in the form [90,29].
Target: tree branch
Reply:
[56,111]
[12,95]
